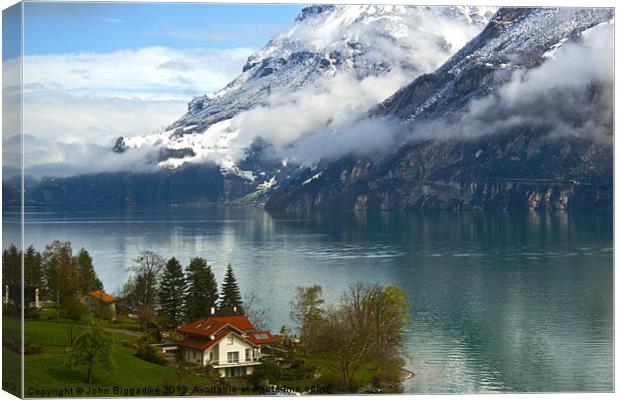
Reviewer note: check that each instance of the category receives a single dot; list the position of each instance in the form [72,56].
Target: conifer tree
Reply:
[89,280]
[33,273]
[172,293]
[11,273]
[230,295]
[201,290]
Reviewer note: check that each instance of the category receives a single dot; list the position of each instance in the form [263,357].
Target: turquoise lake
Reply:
[501,301]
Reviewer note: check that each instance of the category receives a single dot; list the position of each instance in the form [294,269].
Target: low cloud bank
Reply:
[76,105]
[318,121]
[571,94]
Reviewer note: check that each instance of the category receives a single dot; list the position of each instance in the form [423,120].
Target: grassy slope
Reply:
[11,371]
[47,369]
[363,376]
[11,362]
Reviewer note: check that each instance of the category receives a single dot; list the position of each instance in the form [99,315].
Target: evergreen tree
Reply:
[202,289]
[172,293]
[89,280]
[33,273]
[230,295]
[11,273]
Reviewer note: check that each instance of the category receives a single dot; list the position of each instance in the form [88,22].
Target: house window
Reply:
[233,357]
[236,371]
[231,339]
[210,356]
[248,354]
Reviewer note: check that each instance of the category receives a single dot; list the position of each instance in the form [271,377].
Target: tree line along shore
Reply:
[355,345]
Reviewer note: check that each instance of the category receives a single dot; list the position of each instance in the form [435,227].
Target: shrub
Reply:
[31,348]
[130,344]
[150,354]
[12,310]
[268,371]
[13,345]
[153,335]
[32,313]
[73,309]
[208,371]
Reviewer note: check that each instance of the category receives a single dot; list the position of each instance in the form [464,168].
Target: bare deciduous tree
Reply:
[306,311]
[258,315]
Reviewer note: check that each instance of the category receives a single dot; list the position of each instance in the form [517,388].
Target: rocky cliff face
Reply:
[195,184]
[508,171]
[465,146]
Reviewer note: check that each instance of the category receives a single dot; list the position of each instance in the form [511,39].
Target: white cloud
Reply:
[325,115]
[67,117]
[92,98]
[144,73]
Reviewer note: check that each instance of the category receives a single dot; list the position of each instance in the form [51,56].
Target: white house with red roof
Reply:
[230,344]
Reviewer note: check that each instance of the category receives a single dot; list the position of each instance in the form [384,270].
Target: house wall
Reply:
[225,346]
[192,355]
[220,352]
[212,355]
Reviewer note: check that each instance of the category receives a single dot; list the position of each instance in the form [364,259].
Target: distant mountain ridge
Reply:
[453,146]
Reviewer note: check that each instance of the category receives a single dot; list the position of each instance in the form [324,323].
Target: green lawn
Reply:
[123,322]
[47,370]
[363,376]
[11,374]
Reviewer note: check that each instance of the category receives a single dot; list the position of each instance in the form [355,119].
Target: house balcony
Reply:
[235,363]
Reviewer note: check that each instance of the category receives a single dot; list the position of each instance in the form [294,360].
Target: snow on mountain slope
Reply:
[515,40]
[521,117]
[335,62]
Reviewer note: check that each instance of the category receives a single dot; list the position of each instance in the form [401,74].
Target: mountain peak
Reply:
[326,49]
[312,11]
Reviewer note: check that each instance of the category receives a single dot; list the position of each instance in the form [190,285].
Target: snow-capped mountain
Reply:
[521,117]
[327,46]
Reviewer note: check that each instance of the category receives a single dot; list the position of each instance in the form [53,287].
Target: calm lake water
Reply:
[500,301]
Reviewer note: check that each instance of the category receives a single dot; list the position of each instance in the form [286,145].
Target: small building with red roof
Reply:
[230,344]
[101,304]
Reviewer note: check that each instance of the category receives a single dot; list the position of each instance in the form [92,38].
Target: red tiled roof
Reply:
[210,326]
[239,321]
[202,343]
[261,337]
[200,331]
[202,327]
[196,343]
[103,296]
